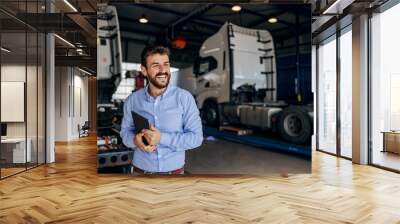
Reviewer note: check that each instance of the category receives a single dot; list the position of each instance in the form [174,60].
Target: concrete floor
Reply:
[224,157]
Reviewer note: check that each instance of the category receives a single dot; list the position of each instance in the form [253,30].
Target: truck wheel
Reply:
[294,125]
[210,114]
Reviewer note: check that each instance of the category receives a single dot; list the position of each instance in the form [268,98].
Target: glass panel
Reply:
[385,84]
[22,86]
[13,80]
[346,94]
[327,96]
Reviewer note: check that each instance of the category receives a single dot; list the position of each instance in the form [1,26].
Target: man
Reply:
[172,113]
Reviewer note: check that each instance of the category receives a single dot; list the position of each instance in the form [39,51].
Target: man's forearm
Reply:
[127,138]
[181,141]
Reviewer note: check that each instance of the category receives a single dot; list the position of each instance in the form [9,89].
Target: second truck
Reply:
[234,81]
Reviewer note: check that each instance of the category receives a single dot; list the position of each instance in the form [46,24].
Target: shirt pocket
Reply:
[171,120]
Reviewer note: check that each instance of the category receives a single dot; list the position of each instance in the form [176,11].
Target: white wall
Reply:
[61,103]
[71,94]
[16,73]
[80,98]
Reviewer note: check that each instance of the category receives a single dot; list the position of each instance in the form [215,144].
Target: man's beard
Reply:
[157,83]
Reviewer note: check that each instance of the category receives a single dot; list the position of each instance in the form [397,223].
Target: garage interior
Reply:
[292,44]
[352,177]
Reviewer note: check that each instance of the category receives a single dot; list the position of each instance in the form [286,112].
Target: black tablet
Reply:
[140,123]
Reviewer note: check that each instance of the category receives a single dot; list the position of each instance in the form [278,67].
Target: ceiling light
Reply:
[65,41]
[70,5]
[5,50]
[143,19]
[236,8]
[272,20]
[43,7]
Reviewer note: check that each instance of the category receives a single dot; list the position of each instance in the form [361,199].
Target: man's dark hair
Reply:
[153,49]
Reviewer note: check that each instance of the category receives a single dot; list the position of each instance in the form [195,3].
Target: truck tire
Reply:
[294,125]
[210,113]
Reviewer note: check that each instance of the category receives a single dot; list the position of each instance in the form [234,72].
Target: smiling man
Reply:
[172,113]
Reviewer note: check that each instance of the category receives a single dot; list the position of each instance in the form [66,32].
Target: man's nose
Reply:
[163,69]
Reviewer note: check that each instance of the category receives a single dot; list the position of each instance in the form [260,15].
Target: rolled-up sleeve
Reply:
[192,135]
[127,126]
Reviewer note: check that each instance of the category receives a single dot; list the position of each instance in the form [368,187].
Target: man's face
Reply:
[158,70]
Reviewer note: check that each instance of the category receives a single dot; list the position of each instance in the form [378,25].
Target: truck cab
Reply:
[233,60]
[234,81]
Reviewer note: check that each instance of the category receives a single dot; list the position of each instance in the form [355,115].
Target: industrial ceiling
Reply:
[196,22]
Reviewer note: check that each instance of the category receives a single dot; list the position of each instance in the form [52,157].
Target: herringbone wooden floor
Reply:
[71,191]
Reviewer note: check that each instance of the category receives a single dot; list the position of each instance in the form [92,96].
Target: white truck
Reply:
[109,53]
[234,81]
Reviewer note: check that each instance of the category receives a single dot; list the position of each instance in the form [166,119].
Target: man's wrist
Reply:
[133,140]
[130,140]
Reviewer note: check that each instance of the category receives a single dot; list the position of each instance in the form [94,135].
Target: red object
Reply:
[139,81]
[179,42]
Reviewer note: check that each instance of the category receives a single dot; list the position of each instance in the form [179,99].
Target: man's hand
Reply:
[138,141]
[152,135]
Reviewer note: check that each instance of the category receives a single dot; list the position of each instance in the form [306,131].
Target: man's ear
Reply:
[144,70]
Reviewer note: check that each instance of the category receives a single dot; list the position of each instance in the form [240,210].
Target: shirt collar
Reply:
[149,97]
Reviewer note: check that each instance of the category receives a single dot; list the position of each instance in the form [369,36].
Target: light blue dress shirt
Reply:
[176,115]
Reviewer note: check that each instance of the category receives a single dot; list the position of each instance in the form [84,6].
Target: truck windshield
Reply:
[204,65]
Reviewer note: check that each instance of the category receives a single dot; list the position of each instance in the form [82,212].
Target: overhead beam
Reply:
[48,22]
[91,5]
[159,26]
[84,61]
[262,16]
[203,21]
[196,12]
[16,18]
[86,27]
